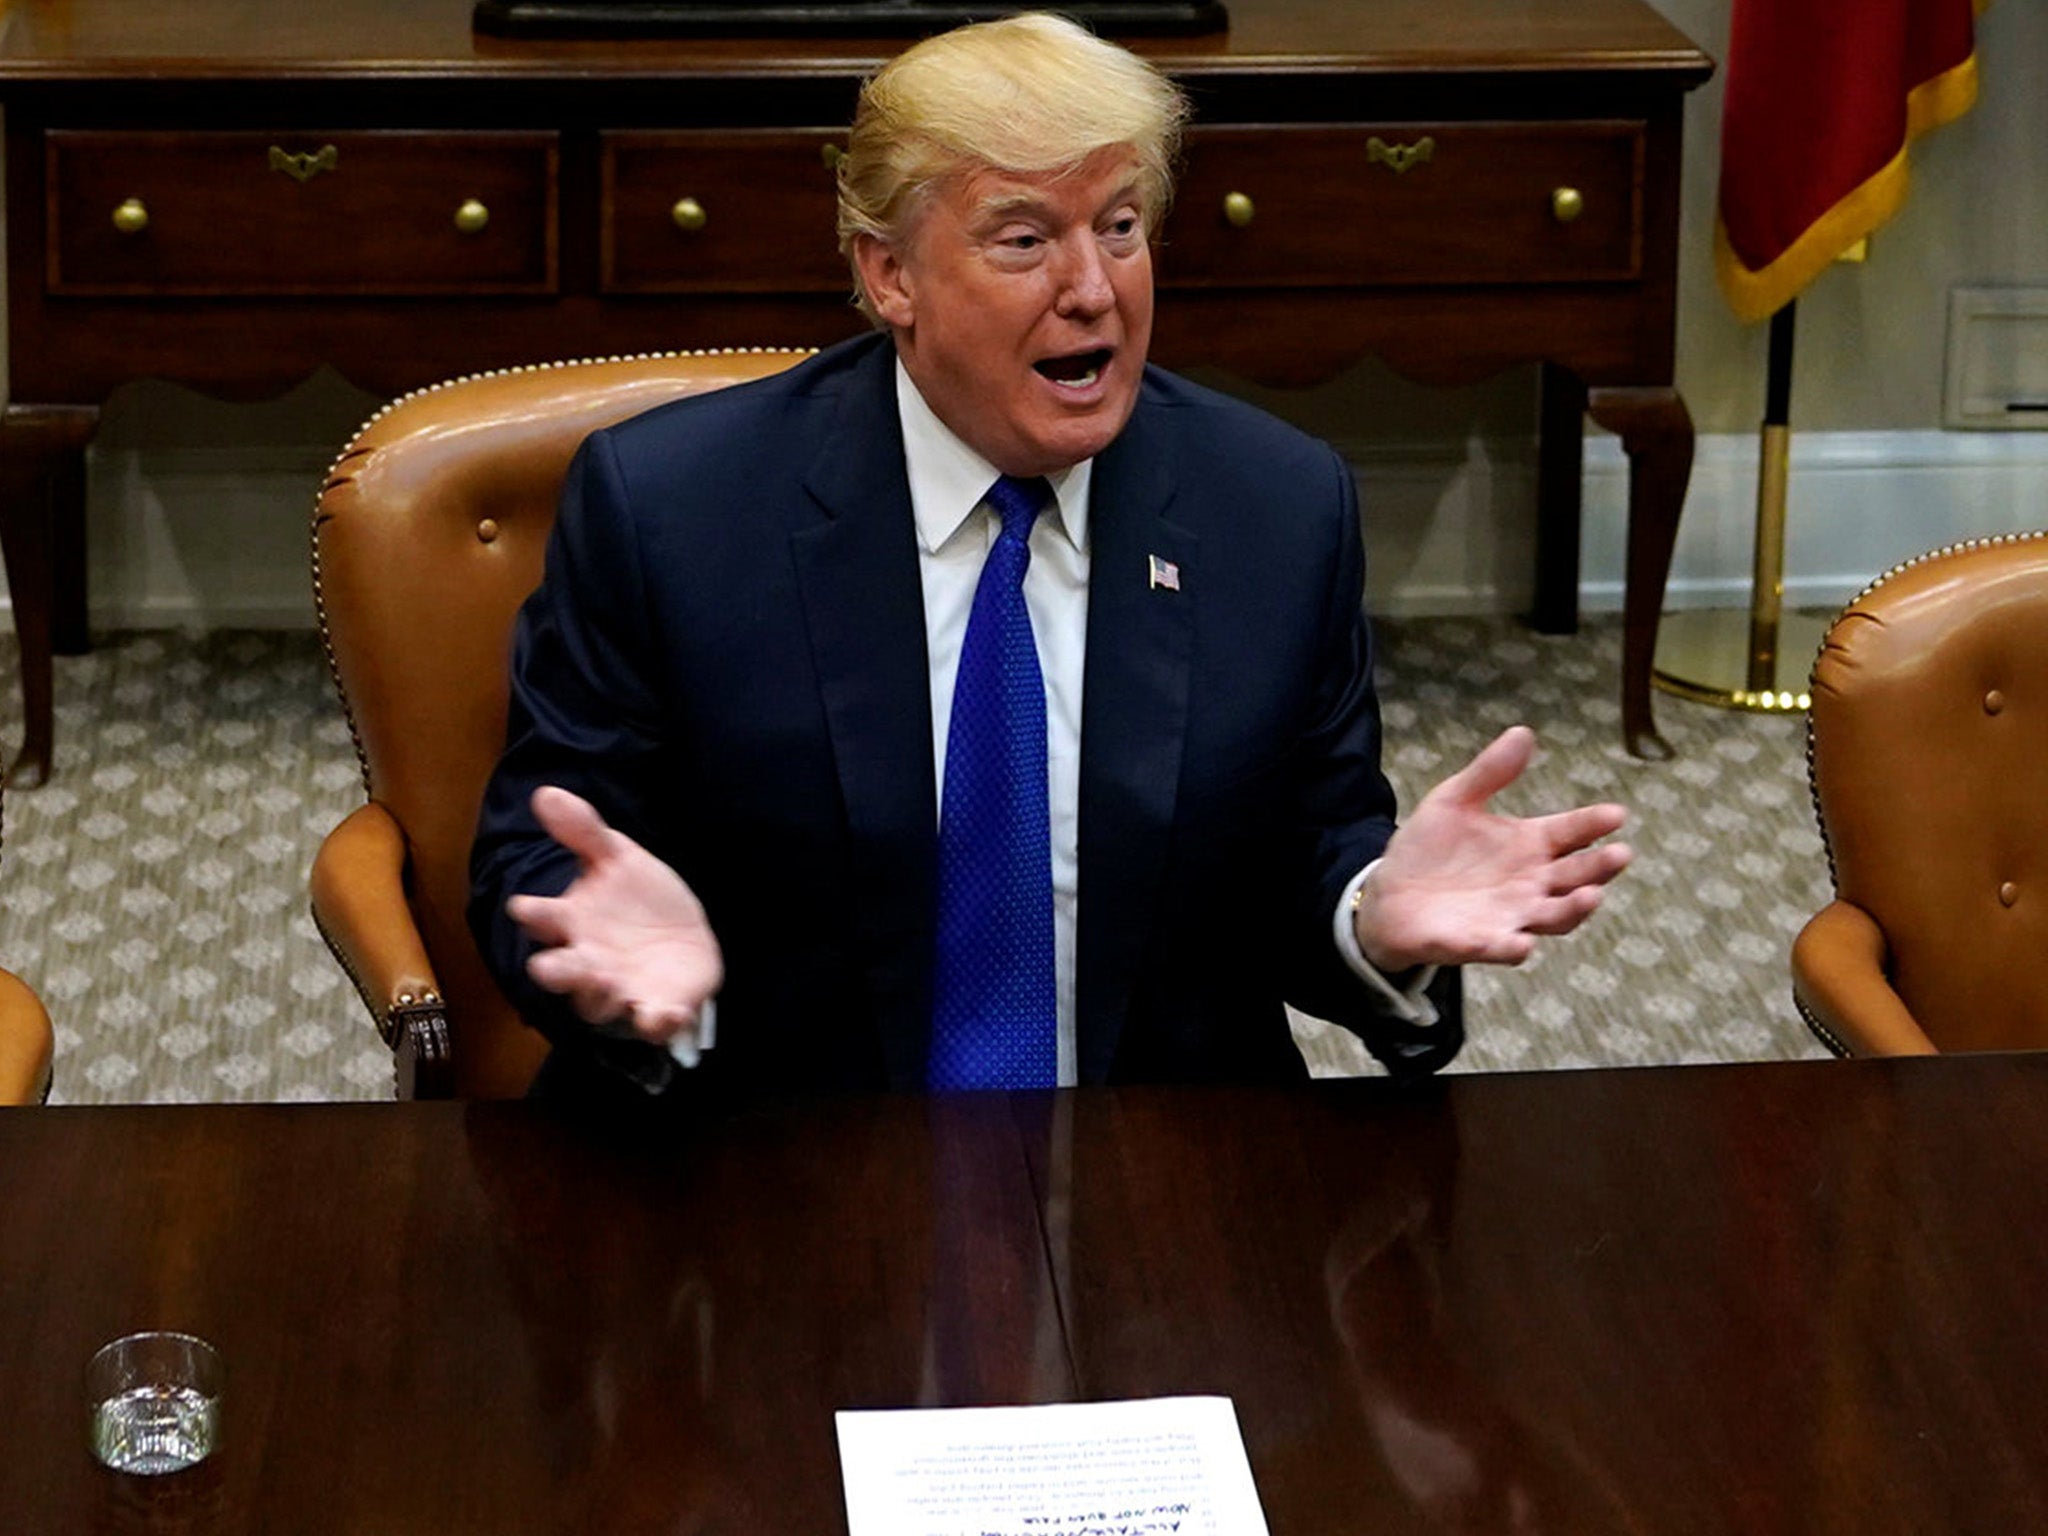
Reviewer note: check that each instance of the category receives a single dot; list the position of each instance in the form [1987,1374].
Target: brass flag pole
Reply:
[1701,654]
[1820,108]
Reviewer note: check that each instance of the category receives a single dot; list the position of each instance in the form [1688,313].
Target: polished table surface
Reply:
[1799,1298]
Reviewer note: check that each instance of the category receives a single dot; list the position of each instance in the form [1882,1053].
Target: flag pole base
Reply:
[1703,655]
[1758,659]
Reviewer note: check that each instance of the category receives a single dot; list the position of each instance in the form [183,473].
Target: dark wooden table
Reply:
[231,194]
[1796,1298]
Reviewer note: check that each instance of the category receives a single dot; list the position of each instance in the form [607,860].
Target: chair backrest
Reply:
[1928,753]
[429,534]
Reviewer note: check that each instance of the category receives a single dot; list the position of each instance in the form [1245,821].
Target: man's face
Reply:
[1022,308]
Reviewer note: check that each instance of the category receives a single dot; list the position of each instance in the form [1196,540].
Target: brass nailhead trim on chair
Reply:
[1813,789]
[1994,701]
[487,531]
[1821,1032]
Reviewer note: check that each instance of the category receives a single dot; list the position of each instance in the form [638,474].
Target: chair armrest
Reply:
[1839,983]
[25,1043]
[360,907]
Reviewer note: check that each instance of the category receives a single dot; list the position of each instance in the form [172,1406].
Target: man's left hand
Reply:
[1461,883]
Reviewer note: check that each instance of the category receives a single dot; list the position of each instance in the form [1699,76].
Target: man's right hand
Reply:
[627,942]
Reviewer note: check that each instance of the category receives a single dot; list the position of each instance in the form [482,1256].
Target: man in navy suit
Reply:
[725,790]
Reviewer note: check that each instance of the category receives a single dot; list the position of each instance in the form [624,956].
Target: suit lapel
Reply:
[863,604]
[1133,722]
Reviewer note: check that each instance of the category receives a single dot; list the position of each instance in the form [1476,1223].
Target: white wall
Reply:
[198,511]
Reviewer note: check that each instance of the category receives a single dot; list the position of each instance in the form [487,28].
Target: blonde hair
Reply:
[1030,93]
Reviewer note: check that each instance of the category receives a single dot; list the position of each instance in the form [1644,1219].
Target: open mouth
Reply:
[1077,370]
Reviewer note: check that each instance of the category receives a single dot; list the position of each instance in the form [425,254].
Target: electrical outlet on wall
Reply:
[1997,373]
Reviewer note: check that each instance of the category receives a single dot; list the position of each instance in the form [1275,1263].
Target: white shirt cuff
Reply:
[1407,1004]
[687,1046]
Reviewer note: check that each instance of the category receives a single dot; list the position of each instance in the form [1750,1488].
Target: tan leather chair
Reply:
[429,533]
[1928,754]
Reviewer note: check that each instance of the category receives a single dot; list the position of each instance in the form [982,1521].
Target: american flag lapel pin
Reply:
[1162,574]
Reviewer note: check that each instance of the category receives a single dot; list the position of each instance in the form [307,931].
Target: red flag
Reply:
[1823,99]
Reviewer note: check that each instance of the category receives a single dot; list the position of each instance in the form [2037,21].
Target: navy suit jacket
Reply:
[727,657]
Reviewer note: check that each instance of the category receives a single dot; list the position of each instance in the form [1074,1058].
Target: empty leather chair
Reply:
[428,535]
[1928,755]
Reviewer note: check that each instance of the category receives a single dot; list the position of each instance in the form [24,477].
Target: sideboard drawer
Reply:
[220,214]
[1407,203]
[721,211]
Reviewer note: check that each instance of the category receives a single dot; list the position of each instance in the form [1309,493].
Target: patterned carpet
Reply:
[154,891]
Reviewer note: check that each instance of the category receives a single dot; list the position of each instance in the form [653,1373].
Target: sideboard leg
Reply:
[39,445]
[1560,451]
[1656,433]
[69,635]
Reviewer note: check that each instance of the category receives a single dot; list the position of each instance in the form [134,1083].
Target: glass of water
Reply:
[155,1400]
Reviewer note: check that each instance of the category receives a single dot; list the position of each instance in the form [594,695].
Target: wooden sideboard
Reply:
[230,195]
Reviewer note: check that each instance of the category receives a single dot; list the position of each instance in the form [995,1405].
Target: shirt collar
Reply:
[948,478]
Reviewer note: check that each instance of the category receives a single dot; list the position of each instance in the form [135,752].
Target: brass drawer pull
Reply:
[689,215]
[1399,158]
[303,167]
[472,216]
[1237,209]
[1566,204]
[132,217]
[831,155]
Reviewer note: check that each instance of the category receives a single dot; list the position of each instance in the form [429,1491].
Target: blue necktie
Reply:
[993,996]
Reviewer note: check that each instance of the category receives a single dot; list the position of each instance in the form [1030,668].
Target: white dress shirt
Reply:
[955,531]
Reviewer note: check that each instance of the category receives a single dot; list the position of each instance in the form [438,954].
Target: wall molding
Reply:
[1450,525]
[202,536]
[216,537]
[1857,503]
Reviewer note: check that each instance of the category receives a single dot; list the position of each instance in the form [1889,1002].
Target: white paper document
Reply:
[1163,1466]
